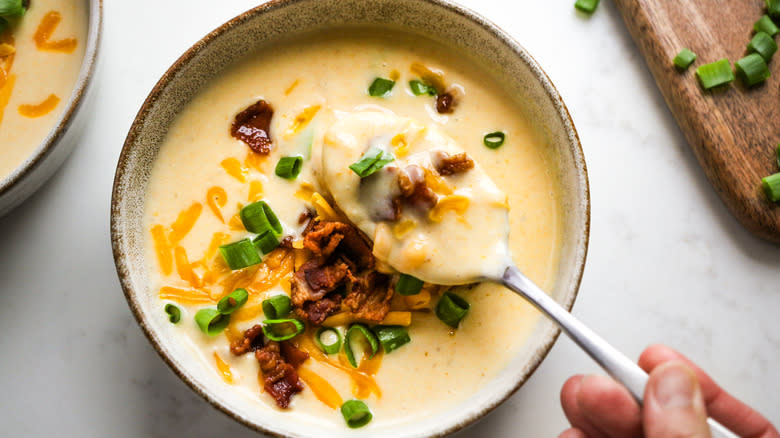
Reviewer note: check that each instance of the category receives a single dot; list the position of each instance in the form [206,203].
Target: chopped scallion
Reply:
[763,44]
[258,218]
[715,74]
[765,24]
[380,87]
[408,285]
[3,24]
[684,59]
[587,6]
[752,69]
[11,8]
[266,242]
[289,167]
[771,186]
[282,329]
[278,306]
[232,301]
[419,88]
[494,140]
[451,309]
[356,413]
[211,321]
[174,313]
[352,342]
[391,337]
[374,159]
[773,8]
[778,155]
[239,255]
[328,339]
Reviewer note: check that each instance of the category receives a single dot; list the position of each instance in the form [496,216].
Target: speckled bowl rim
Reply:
[52,139]
[580,250]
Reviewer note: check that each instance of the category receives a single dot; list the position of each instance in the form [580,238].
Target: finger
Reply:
[674,406]
[572,409]
[732,413]
[572,433]
[610,407]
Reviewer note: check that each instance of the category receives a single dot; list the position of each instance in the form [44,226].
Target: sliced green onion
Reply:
[587,6]
[239,255]
[391,336]
[289,167]
[451,309]
[174,313]
[765,24]
[211,322]
[331,344]
[715,74]
[374,159]
[232,301]
[408,285]
[494,140]
[419,88]
[771,186]
[778,155]
[11,8]
[282,329]
[380,87]
[258,218]
[3,24]
[752,69]
[278,306]
[266,242]
[356,413]
[763,44]
[354,333]
[773,8]
[684,59]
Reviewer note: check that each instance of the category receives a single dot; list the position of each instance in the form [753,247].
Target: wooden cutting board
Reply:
[733,130]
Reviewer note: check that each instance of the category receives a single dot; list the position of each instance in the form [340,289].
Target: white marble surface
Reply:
[667,262]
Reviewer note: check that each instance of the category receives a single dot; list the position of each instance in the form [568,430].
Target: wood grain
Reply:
[733,130]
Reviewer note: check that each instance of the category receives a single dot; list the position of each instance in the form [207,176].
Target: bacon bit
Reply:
[253,127]
[44,31]
[184,223]
[447,164]
[162,249]
[216,198]
[286,242]
[234,168]
[305,217]
[251,341]
[445,103]
[40,109]
[411,181]
[281,379]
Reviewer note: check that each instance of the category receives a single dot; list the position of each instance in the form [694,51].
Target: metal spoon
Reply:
[615,363]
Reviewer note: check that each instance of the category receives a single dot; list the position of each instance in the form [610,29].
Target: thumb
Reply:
[674,406]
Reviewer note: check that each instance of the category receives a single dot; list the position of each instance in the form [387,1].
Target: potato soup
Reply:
[258,253]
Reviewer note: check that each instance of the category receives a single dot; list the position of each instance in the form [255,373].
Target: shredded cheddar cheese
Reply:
[184,223]
[46,28]
[302,119]
[234,168]
[324,210]
[216,198]
[224,369]
[455,203]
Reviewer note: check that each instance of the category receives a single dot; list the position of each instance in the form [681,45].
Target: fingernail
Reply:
[674,387]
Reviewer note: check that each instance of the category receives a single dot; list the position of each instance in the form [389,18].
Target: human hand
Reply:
[678,398]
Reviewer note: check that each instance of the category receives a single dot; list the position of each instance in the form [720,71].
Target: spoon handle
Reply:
[615,363]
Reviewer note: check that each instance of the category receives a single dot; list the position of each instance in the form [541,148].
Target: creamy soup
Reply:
[40,57]
[315,94]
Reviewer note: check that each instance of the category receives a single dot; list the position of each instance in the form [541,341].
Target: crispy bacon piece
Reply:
[445,103]
[253,127]
[278,362]
[447,164]
[343,262]
[251,341]
[414,190]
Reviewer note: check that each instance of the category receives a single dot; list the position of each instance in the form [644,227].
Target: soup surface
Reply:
[40,58]
[203,177]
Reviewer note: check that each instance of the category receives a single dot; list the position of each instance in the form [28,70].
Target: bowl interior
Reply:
[442,22]
[55,146]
